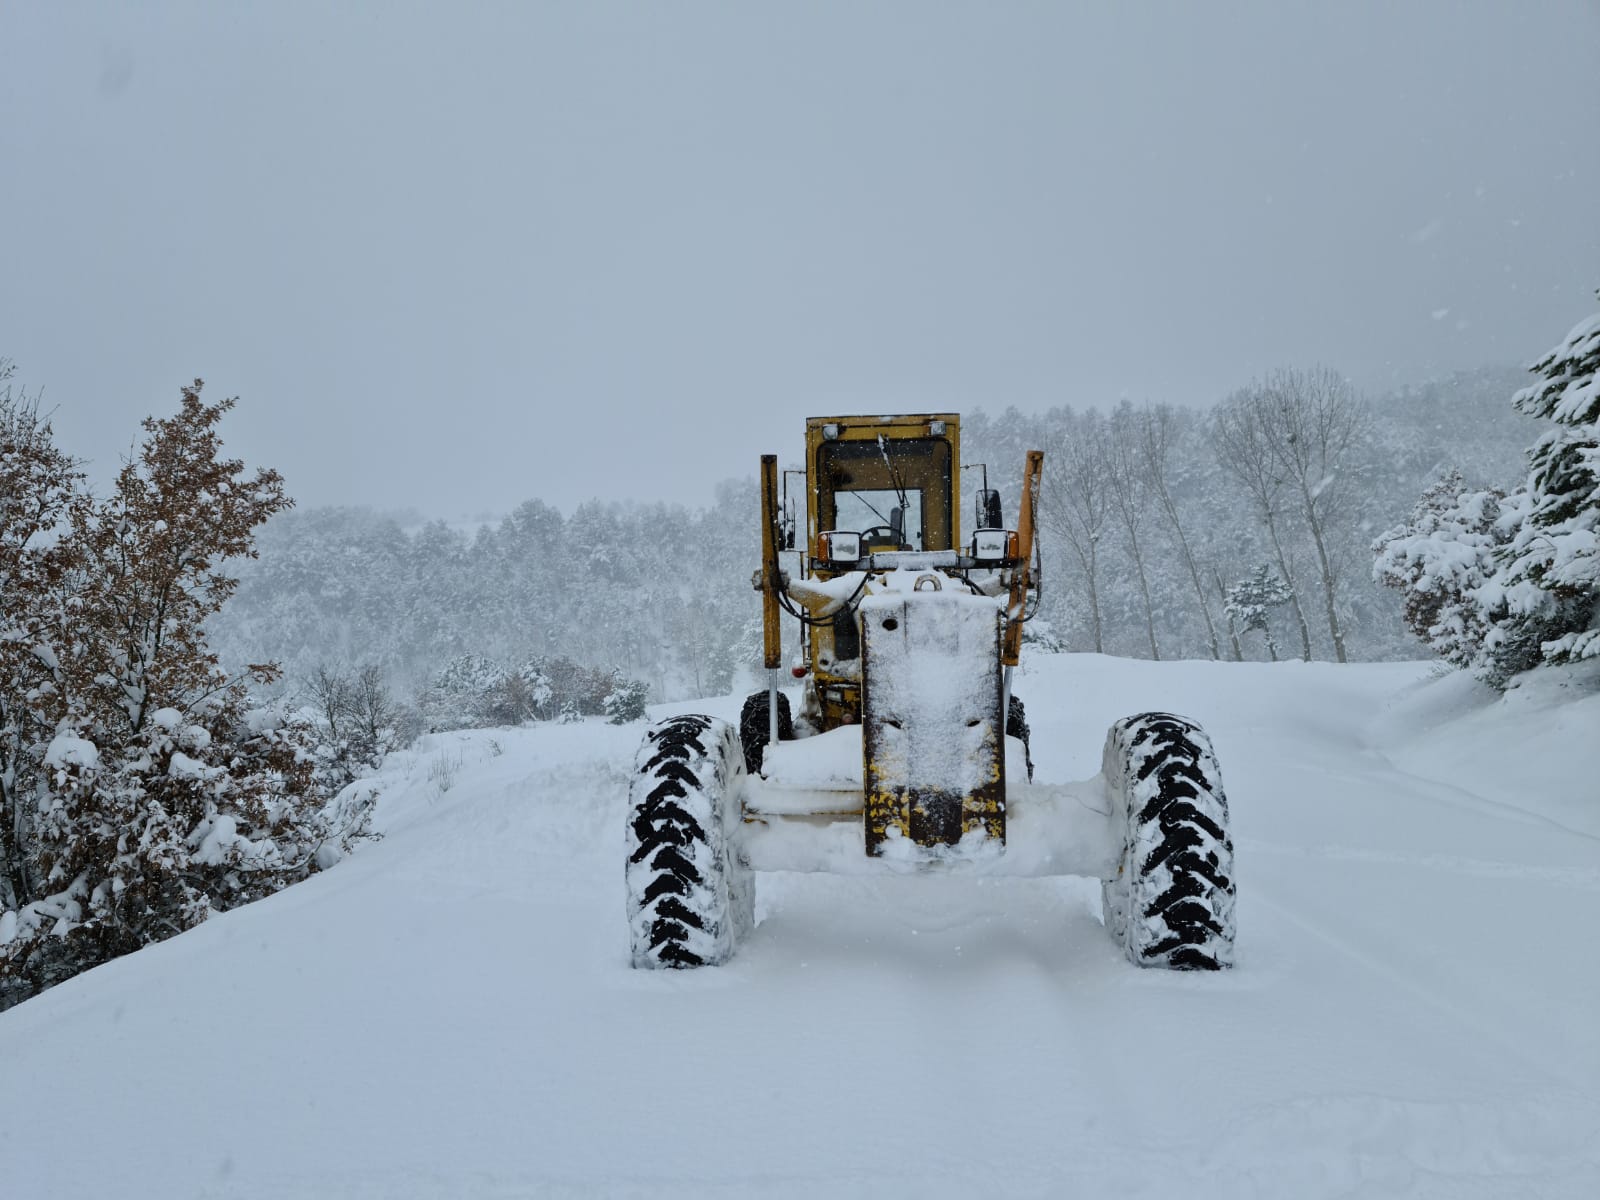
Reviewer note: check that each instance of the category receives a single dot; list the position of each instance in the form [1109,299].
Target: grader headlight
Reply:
[995,545]
[839,546]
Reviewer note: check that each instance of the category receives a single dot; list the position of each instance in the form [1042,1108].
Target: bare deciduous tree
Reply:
[1312,418]
[1128,484]
[1075,501]
[1159,432]
[329,689]
[1242,432]
[377,715]
[1233,627]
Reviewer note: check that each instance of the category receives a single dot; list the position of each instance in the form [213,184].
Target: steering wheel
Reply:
[882,535]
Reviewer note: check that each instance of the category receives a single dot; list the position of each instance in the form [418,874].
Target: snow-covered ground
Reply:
[450,1012]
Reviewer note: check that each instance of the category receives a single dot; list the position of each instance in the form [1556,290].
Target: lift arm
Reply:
[771,636]
[1011,648]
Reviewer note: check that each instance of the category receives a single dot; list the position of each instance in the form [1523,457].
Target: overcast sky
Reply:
[454,256]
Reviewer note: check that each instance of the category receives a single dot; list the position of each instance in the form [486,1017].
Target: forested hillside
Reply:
[661,593]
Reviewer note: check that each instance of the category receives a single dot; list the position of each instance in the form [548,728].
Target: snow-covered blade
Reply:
[933,745]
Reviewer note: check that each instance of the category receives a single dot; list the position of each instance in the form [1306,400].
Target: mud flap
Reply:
[932,744]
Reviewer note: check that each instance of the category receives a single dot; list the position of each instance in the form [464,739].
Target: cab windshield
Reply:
[895,492]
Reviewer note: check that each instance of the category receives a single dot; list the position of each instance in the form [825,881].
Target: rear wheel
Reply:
[1171,902]
[755,728]
[690,892]
[1017,727]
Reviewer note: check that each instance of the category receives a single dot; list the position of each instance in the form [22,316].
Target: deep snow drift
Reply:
[451,1012]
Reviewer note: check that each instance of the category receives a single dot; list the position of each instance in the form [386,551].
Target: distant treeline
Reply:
[1237,531]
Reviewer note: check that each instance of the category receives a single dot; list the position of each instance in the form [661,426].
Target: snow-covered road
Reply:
[451,1013]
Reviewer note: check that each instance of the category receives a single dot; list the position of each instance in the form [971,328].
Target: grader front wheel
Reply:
[691,898]
[1171,902]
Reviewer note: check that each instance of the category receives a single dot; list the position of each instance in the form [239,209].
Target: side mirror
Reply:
[786,526]
[989,514]
[897,522]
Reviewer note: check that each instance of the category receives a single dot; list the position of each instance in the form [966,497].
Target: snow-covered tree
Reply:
[1041,635]
[1287,440]
[534,689]
[461,694]
[356,586]
[356,721]
[1314,418]
[1244,434]
[474,691]
[1251,601]
[1075,501]
[625,702]
[1233,623]
[1161,435]
[165,798]
[1439,560]
[40,489]
[519,695]
[1549,579]
[1128,481]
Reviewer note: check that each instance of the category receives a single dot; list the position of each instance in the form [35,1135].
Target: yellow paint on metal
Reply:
[771,634]
[921,453]
[839,691]
[1011,651]
[944,527]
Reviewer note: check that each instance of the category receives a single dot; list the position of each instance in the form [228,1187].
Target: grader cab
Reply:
[908,751]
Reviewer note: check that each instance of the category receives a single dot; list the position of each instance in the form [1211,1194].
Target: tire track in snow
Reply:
[1375,769]
[1570,1075]
[1453,793]
[1374,1144]
[1565,877]
[1488,805]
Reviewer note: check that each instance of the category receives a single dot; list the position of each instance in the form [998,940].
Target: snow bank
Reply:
[1535,748]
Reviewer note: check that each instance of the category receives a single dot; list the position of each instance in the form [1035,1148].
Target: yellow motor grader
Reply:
[909,752]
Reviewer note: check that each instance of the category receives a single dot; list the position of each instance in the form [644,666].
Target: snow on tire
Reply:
[690,892]
[1171,901]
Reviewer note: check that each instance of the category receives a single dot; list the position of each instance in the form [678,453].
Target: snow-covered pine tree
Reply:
[1251,601]
[517,697]
[1041,635]
[1548,584]
[625,702]
[535,688]
[1439,560]
[464,694]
